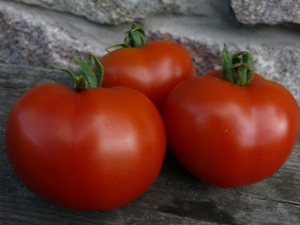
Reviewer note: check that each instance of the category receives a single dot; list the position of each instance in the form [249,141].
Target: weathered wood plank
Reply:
[176,197]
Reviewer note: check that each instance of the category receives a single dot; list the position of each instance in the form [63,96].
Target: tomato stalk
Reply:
[237,68]
[135,38]
[86,78]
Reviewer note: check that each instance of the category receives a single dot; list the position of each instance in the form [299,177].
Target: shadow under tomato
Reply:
[197,210]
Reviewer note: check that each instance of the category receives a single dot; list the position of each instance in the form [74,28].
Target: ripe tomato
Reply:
[153,69]
[97,149]
[229,135]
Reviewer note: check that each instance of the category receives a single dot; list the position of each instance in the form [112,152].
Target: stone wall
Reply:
[41,32]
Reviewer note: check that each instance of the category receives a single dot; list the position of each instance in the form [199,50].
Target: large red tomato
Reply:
[153,69]
[230,135]
[97,149]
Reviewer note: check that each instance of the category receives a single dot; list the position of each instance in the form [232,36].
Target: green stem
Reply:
[135,38]
[86,78]
[237,68]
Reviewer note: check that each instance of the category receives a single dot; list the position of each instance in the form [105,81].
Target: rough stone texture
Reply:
[118,11]
[267,11]
[28,40]
[41,37]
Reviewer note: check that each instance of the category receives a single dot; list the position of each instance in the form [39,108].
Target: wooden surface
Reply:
[175,198]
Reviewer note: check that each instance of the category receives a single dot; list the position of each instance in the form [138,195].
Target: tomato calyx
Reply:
[135,38]
[86,78]
[237,68]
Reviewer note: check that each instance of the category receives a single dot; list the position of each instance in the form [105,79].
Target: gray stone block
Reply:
[267,11]
[108,12]
[39,38]
[117,12]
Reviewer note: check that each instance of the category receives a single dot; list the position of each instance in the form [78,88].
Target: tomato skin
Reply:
[227,135]
[86,150]
[153,69]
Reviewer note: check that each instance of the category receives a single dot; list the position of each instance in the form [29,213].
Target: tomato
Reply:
[153,69]
[229,135]
[97,149]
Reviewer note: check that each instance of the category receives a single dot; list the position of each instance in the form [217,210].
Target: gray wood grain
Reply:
[175,198]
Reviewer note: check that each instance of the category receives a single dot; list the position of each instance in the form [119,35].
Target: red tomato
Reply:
[97,149]
[153,69]
[299,121]
[228,135]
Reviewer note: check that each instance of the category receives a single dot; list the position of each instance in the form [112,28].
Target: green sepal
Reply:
[237,68]
[86,77]
[98,69]
[87,72]
[227,73]
[74,77]
[135,38]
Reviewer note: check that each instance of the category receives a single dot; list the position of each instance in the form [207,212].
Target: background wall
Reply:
[41,32]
